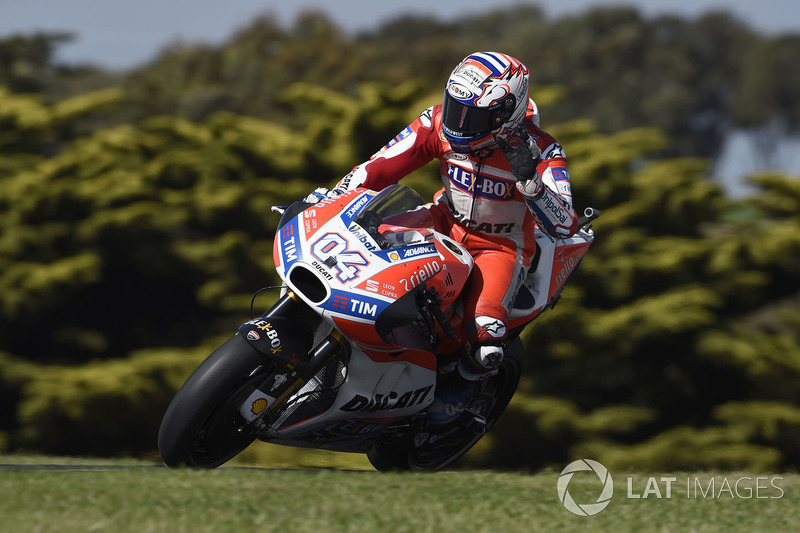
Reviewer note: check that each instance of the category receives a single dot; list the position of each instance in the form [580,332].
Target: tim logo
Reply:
[560,174]
[361,307]
[289,244]
[340,302]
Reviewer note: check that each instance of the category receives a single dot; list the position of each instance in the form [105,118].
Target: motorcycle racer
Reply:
[503,175]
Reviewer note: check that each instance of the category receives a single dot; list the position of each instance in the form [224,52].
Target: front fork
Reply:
[284,334]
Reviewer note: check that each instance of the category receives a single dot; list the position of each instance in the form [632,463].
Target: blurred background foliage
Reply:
[135,225]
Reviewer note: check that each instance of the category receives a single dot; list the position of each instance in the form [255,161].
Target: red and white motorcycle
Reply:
[349,357]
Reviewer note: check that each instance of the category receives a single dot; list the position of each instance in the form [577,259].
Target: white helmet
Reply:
[486,97]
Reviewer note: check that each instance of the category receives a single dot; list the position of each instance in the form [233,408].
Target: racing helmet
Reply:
[485,97]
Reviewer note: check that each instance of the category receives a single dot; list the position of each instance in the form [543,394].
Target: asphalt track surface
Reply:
[100,468]
[80,468]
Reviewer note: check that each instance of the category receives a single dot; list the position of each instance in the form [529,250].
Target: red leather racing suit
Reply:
[481,207]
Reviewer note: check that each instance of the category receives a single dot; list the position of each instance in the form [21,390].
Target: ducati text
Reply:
[392,400]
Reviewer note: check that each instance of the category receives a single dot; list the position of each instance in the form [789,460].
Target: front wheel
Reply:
[202,426]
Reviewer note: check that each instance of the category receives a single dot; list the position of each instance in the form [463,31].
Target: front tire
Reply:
[202,426]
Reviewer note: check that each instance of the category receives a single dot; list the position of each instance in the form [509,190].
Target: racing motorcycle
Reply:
[367,326]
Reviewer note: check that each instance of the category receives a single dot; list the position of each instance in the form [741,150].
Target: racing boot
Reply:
[456,390]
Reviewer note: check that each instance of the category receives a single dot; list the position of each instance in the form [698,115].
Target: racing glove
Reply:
[523,158]
[321,193]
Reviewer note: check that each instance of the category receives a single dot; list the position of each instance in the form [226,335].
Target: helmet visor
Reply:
[465,120]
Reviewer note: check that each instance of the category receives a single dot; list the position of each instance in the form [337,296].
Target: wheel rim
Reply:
[453,447]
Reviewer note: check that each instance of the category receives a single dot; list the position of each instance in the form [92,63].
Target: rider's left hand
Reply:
[523,156]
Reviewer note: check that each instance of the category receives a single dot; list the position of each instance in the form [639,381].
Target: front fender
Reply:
[285,333]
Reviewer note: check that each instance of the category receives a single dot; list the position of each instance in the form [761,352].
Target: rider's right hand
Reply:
[321,193]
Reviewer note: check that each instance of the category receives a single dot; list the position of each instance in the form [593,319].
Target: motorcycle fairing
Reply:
[372,390]
[567,256]
[556,260]
[340,269]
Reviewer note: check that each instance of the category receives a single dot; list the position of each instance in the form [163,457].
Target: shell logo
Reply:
[258,406]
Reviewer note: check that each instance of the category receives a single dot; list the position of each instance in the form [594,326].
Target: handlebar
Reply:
[589,214]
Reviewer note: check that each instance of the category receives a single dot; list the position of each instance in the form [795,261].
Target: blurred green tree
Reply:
[135,225]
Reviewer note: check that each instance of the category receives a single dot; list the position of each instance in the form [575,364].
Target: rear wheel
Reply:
[454,440]
[202,426]
[391,456]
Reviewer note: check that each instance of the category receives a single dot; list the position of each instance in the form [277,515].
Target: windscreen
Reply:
[395,200]
[396,205]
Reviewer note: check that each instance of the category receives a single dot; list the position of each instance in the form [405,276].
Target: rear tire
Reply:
[397,455]
[202,426]
[388,457]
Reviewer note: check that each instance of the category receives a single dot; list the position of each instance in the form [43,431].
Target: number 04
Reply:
[348,262]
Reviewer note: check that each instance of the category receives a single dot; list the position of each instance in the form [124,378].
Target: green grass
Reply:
[138,498]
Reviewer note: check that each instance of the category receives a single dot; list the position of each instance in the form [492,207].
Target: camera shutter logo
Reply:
[587,509]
